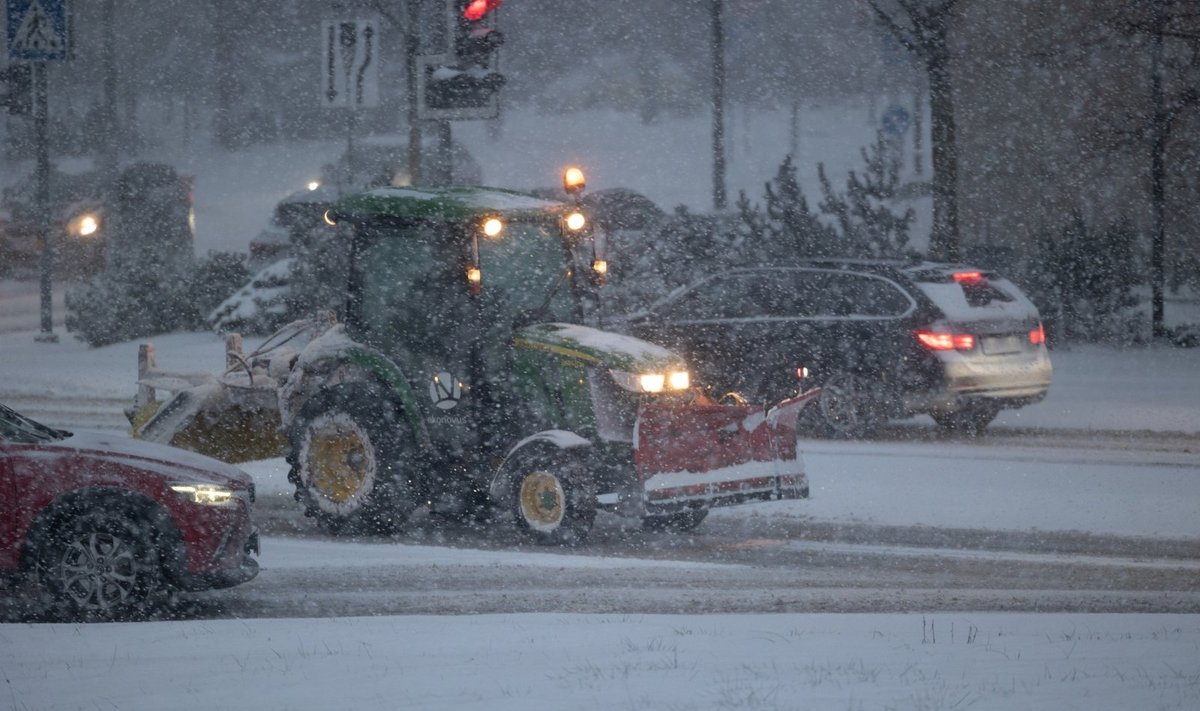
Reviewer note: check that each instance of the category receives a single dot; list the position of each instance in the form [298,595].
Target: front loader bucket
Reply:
[719,454]
[217,420]
[234,419]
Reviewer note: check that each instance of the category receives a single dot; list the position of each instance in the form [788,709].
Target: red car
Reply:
[105,524]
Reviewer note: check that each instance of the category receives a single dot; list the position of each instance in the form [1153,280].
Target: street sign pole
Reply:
[42,181]
[37,33]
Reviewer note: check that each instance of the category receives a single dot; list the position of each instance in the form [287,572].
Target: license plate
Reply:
[999,345]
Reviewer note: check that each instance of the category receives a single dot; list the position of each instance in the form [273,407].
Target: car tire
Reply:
[844,407]
[553,498]
[677,522]
[351,452]
[100,565]
[970,420]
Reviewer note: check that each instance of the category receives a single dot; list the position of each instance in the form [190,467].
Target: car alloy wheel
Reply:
[843,404]
[100,565]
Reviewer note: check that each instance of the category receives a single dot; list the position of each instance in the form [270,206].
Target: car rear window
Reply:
[992,296]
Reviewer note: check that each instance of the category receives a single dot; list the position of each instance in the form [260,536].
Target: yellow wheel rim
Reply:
[339,461]
[541,500]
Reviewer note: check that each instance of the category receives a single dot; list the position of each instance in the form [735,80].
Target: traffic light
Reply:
[463,84]
[474,41]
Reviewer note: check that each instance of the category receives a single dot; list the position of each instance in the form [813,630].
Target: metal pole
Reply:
[351,163]
[1158,140]
[108,141]
[718,91]
[42,180]
[445,154]
[412,38]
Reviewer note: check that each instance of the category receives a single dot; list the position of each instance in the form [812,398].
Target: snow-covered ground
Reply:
[565,661]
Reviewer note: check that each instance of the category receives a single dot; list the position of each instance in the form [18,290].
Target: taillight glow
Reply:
[935,341]
[967,277]
[1038,335]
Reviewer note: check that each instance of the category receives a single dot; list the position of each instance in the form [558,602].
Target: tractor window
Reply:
[399,269]
[521,269]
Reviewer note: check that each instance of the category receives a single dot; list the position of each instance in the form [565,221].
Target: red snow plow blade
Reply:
[717,455]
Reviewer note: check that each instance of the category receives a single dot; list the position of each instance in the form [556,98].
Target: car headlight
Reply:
[652,382]
[205,494]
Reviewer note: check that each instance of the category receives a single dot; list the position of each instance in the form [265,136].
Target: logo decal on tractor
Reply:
[445,391]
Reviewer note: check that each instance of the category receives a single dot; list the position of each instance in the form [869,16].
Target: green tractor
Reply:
[459,376]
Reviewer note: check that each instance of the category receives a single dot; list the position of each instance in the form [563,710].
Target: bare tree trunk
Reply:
[943,240]
[923,29]
[718,114]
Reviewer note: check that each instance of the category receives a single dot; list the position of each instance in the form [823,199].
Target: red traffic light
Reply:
[476,9]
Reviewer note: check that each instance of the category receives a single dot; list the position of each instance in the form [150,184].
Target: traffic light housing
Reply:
[475,42]
[463,83]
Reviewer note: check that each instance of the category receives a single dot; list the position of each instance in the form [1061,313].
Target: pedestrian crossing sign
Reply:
[37,30]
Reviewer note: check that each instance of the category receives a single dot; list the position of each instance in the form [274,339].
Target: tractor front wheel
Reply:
[553,499]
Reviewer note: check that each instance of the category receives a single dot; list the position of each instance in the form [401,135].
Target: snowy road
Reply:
[794,556]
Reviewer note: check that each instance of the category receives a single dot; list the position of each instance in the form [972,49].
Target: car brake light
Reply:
[935,341]
[968,277]
[1038,335]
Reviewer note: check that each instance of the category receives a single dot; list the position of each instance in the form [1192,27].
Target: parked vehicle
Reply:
[105,524]
[142,218]
[463,378]
[882,339]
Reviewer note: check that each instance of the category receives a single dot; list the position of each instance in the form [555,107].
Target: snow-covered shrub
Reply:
[865,218]
[115,307]
[215,277]
[119,306]
[865,215]
[260,306]
[1082,280]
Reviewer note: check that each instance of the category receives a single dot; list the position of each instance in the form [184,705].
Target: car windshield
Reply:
[18,429]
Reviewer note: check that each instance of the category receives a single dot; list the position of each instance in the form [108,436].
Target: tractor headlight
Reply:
[205,494]
[575,221]
[88,225]
[652,382]
[493,226]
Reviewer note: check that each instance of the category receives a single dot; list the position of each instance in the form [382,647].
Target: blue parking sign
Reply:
[37,30]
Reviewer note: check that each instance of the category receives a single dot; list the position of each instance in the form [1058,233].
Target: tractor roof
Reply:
[445,204]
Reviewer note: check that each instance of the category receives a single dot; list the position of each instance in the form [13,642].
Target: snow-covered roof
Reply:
[449,203]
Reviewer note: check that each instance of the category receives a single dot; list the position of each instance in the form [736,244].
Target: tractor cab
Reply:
[441,281]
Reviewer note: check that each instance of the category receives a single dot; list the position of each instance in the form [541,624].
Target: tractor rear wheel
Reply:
[352,455]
